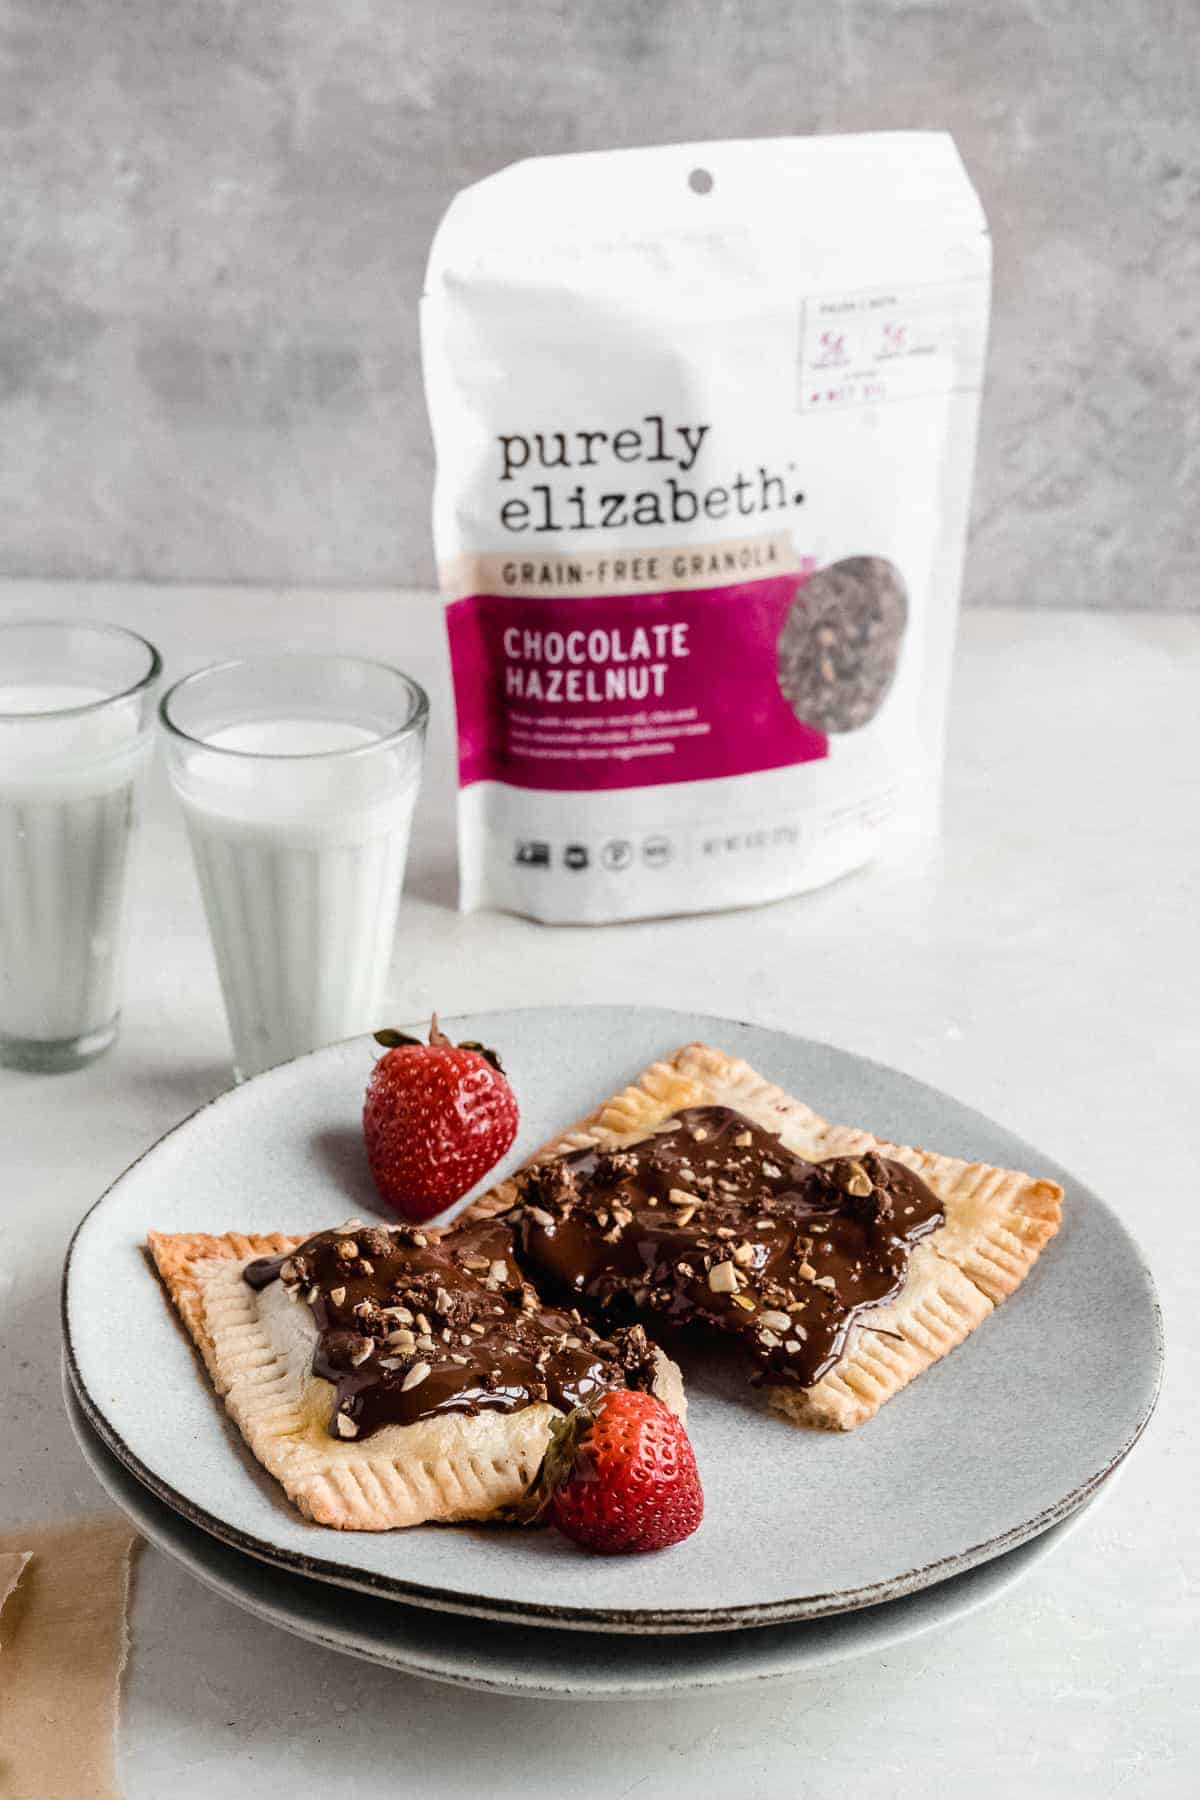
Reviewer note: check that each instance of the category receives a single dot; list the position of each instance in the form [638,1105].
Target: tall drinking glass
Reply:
[76,704]
[298,776]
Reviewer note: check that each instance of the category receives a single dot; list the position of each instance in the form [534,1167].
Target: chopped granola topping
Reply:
[406,1332]
[712,1218]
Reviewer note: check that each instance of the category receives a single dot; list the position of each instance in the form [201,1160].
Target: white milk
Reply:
[66,812]
[301,863]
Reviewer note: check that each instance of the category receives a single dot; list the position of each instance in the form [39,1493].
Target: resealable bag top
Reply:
[705,425]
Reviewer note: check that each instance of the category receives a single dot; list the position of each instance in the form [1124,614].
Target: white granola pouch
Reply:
[705,425]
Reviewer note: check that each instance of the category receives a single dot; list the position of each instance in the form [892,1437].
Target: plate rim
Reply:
[653,1621]
[409,1663]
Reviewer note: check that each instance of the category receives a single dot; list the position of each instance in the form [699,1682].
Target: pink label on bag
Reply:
[623,691]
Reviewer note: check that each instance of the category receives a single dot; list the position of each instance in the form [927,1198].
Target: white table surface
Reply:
[1040,964]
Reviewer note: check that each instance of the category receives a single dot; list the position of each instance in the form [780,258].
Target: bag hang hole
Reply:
[700,181]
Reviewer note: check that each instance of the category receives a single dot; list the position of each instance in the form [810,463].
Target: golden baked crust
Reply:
[180,1255]
[257,1347]
[997,1223]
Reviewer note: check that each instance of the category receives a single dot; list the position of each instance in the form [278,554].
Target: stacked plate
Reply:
[814,1548]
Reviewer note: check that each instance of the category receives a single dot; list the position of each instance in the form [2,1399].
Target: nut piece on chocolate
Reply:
[713,1222]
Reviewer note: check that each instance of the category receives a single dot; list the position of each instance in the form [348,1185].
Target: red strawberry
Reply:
[437,1117]
[620,1475]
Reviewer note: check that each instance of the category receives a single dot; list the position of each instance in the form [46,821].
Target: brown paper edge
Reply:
[59,1701]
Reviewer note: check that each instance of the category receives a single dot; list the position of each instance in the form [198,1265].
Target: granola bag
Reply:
[705,423]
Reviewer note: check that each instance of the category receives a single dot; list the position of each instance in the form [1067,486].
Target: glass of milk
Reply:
[76,706]
[298,776]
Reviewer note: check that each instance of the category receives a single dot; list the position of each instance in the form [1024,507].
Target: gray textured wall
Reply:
[214,216]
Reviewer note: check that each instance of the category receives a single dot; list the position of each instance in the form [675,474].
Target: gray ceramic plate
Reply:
[1001,1440]
[517,1659]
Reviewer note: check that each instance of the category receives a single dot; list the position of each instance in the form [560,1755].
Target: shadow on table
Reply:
[432,876]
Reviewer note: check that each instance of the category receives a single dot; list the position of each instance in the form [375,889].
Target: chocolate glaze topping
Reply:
[712,1222]
[412,1324]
